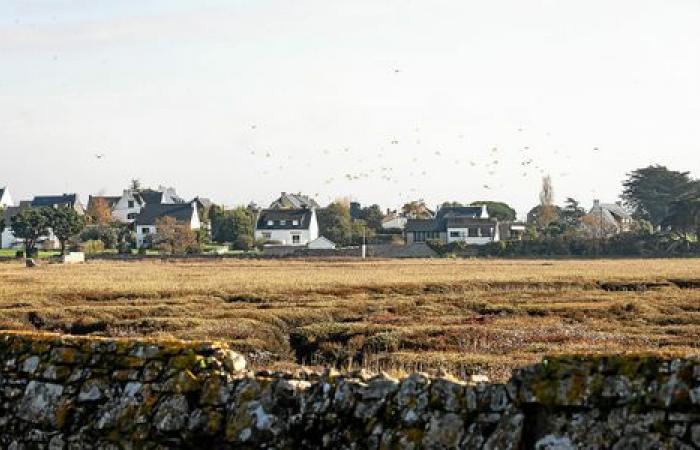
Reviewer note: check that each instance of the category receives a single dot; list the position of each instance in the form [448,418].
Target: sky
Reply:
[381,101]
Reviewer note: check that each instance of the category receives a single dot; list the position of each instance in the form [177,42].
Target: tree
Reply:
[684,212]
[135,184]
[99,211]
[372,217]
[65,222]
[174,237]
[501,211]
[334,222]
[571,213]
[651,190]
[548,212]
[451,205]
[416,210]
[243,228]
[30,224]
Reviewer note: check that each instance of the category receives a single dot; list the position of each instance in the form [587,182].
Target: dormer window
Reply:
[270,223]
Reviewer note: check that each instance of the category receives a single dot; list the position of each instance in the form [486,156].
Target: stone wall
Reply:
[65,392]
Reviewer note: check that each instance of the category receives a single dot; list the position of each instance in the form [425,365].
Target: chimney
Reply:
[596,203]
[484,212]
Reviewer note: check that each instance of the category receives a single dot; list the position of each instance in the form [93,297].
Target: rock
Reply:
[233,361]
[30,364]
[552,442]
[40,402]
[507,434]
[172,413]
[444,431]
[57,443]
[92,390]
[695,434]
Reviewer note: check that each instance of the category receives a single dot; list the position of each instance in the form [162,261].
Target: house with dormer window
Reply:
[469,224]
[287,226]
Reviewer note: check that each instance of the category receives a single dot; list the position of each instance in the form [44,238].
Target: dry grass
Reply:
[463,315]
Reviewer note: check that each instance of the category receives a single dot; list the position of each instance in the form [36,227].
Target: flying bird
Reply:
[99,155]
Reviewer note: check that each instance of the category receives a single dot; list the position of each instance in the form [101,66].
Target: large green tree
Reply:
[30,224]
[243,228]
[65,222]
[572,212]
[684,212]
[372,217]
[650,191]
[500,210]
[334,223]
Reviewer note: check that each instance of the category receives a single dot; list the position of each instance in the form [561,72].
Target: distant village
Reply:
[142,218]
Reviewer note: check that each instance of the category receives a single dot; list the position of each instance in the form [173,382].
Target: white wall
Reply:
[6,199]
[48,242]
[121,209]
[284,237]
[464,236]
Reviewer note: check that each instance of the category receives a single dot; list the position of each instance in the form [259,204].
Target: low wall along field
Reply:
[59,392]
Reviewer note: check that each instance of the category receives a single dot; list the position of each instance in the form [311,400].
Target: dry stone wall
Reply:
[81,393]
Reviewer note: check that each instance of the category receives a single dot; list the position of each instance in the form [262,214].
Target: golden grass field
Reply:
[465,316]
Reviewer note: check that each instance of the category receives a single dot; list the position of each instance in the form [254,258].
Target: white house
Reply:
[132,201]
[469,224]
[394,222]
[288,226]
[145,221]
[5,198]
[48,242]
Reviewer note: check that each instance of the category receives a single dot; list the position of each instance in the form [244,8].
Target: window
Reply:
[270,223]
[283,222]
[296,239]
[473,232]
[486,231]
[267,235]
[422,236]
[131,216]
[145,230]
[295,223]
[131,203]
[455,234]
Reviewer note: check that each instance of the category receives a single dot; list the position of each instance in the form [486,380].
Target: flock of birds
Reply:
[380,167]
[388,168]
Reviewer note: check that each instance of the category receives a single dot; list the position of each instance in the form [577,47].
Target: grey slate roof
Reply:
[302,215]
[454,217]
[55,200]
[182,212]
[423,225]
[459,222]
[288,200]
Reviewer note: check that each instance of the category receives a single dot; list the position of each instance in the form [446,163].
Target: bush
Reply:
[243,242]
[92,246]
[108,235]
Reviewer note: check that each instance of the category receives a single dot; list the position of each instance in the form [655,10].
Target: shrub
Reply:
[92,246]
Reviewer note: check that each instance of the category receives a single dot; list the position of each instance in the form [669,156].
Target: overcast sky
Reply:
[381,101]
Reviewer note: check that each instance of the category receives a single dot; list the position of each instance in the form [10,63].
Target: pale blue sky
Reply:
[238,100]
